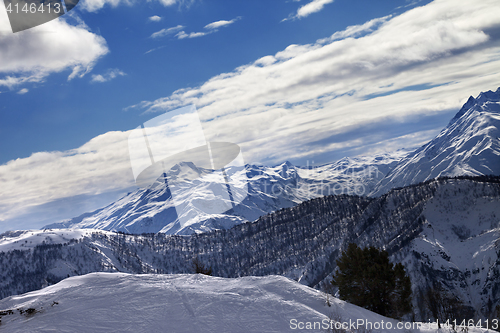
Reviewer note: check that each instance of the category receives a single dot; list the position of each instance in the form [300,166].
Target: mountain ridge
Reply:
[269,189]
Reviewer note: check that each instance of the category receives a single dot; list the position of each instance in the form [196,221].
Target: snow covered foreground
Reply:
[118,302]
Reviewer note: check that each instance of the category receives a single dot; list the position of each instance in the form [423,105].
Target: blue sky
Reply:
[285,79]
[57,114]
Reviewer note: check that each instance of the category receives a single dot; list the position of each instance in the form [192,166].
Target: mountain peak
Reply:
[466,107]
[286,164]
[469,145]
[483,97]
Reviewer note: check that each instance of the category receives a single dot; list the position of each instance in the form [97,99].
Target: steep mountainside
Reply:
[469,145]
[445,231]
[153,210]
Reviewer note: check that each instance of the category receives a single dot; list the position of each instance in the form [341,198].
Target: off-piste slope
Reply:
[117,302]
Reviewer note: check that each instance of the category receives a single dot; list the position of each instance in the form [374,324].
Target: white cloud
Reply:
[436,55]
[220,24]
[211,27]
[356,30]
[101,165]
[95,5]
[155,18]
[183,34]
[329,99]
[167,31]
[32,55]
[23,91]
[156,48]
[108,76]
[312,7]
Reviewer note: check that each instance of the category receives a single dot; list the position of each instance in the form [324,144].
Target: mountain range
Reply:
[153,209]
[446,232]
[468,145]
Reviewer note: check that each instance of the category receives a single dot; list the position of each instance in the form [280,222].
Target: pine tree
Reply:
[367,278]
[199,268]
[402,292]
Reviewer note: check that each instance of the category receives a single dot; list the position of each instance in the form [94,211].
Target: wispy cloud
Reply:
[409,4]
[210,28]
[155,18]
[356,30]
[167,31]
[312,7]
[108,76]
[95,5]
[23,91]
[156,48]
[220,24]
[183,34]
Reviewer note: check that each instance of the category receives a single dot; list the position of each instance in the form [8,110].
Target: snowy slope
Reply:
[469,145]
[29,239]
[117,302]
[152,210]
[445,231]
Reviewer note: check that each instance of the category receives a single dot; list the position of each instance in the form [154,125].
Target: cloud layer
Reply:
[101,165]
[416,65]
[389,83]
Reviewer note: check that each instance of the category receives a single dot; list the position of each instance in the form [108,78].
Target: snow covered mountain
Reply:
[152,209]
[117,302]
[469,145]
[445,231]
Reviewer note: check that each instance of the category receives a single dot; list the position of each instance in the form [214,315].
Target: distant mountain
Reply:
[153,209]
[104,302]
[445,231]
[469,145]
